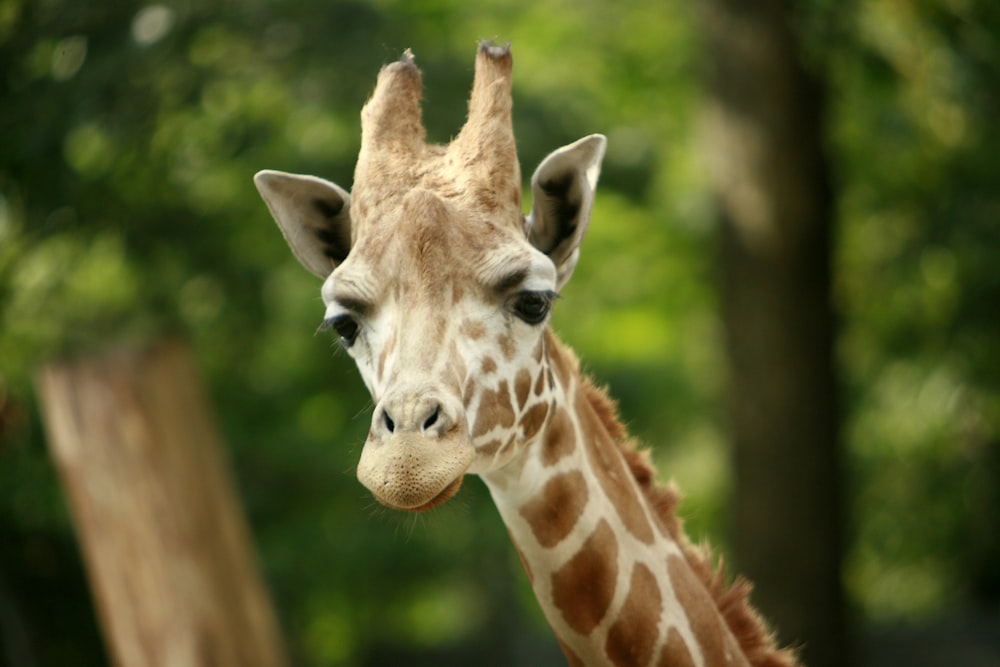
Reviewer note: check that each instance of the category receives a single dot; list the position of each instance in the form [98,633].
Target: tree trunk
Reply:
[167,549]
[764,126]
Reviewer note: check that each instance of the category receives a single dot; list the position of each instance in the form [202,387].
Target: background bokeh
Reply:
[129,134]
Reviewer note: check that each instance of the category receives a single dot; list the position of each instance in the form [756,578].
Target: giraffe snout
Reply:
[417,412]
[418,450]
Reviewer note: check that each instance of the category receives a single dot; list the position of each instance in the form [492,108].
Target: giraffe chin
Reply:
[440,499]
[405,503]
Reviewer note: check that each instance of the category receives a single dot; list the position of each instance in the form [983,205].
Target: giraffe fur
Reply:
[441,289]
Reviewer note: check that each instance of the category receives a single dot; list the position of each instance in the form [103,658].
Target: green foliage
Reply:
[917,144]
[128,137]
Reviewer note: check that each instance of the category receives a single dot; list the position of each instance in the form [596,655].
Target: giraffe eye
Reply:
[532,307]
[345,326]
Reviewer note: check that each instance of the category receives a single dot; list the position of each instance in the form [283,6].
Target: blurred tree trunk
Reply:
[764,127]
[167,548]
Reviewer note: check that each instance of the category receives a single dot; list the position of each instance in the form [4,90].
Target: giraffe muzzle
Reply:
[417,452]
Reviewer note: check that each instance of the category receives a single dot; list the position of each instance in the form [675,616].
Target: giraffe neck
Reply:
[612,578]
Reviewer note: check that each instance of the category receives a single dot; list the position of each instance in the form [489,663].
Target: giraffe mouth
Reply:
[441,498]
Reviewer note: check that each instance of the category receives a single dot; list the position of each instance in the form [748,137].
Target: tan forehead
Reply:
[421,239]
[432,179]
[422,214]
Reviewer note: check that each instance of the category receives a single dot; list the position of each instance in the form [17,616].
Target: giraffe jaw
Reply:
[414,473]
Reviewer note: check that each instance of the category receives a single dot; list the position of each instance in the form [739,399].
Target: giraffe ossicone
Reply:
[440,289]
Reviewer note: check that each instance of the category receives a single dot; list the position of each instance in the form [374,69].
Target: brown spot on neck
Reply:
[675,653]
[533,420]
[633,635]
[554,512]
[582,589]
[560,437]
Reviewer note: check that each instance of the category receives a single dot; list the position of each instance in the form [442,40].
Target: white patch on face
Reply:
[542,274]
[326,292]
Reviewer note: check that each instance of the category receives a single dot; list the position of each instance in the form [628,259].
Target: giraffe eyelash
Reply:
[345,325]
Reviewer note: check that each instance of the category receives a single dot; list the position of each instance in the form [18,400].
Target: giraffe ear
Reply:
[313,215]
[562,191]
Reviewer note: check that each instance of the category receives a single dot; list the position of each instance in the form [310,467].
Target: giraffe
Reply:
[440,289]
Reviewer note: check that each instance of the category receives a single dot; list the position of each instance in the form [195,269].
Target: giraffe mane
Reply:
[752,633]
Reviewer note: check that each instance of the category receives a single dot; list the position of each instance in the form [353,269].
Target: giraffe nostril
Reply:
[430,421]
[389,424]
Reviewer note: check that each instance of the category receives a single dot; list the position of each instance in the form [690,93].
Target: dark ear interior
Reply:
[313,215]
[335,238]
[561,210]
[562,191]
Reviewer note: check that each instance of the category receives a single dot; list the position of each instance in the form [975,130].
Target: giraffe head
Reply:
[435,282]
